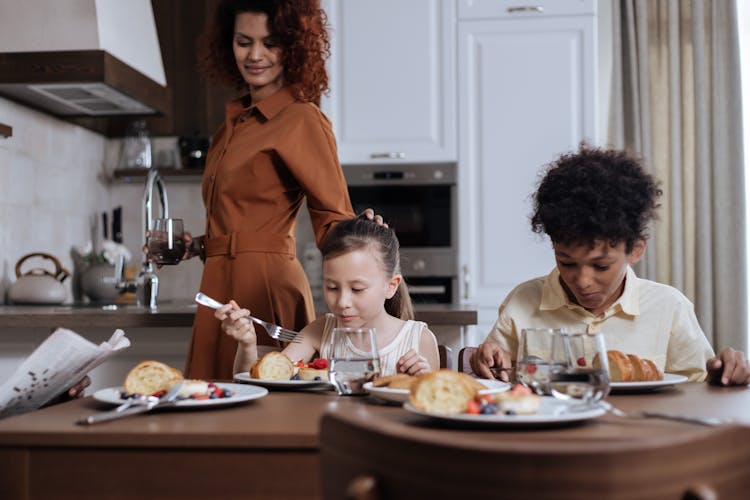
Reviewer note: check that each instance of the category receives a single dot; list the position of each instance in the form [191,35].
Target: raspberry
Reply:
[581,361]
[319,364]
[472,408]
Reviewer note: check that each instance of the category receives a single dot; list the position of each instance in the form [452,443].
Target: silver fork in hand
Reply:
[710,421]
[274,331]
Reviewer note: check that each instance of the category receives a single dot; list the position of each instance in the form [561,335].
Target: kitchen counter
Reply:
[170,315]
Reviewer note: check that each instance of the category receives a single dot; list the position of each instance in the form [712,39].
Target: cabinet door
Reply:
[526,94]
[392,72]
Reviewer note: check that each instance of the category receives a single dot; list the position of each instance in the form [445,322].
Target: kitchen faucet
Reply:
[146,284]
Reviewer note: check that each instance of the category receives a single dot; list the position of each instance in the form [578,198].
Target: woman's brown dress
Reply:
[263,162]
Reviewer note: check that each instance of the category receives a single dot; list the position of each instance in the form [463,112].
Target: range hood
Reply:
[76,58]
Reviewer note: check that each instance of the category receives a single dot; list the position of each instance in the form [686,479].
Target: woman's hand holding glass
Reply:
[186,246]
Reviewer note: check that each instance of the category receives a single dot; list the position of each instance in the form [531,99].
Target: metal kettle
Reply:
[38,285]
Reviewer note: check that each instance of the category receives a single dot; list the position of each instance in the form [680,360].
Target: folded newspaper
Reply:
[59,362]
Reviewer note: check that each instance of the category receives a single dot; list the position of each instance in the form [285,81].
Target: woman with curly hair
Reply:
[596,205]
[274,151]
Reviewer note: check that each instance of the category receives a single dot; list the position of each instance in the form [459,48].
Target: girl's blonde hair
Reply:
[359,233]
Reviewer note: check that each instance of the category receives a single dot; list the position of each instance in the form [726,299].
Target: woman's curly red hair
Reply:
[300,26]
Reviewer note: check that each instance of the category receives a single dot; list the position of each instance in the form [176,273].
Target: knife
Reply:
[117,225]
[169,399]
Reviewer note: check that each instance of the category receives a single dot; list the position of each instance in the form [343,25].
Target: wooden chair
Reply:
[366,460]
[446,360]
[464,360]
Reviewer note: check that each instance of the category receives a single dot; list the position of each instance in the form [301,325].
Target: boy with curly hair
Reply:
[596,205]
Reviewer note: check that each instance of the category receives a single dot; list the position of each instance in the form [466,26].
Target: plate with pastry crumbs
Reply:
[401,395]
[245,378]
[227,394]
[669,380]
[551,412]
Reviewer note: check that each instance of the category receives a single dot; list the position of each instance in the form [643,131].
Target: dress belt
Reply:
[243,241]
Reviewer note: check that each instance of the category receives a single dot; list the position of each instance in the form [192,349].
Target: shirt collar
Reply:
[268,107]
[554,296]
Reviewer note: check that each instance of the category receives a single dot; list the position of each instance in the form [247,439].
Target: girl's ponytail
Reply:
[400,304]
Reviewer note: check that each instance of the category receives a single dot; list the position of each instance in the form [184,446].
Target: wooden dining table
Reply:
[271,447]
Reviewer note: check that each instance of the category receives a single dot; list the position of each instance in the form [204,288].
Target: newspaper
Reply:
[57,364]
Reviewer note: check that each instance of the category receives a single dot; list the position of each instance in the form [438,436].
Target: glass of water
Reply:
[354,360]
[535,358]
[584,373]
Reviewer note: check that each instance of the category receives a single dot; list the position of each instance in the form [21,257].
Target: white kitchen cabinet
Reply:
[526,93]
[393,80]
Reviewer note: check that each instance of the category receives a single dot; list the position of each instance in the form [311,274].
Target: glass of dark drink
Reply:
[584,375]
[165,243]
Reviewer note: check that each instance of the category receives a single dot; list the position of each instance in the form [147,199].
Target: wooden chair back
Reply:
[464,359]
[446,358]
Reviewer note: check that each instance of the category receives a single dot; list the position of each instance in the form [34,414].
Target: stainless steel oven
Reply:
[419,202]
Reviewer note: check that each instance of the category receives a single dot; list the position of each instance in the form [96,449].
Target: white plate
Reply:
[402,395]
[240,393]
[551,412]
[282,384]
[670,379]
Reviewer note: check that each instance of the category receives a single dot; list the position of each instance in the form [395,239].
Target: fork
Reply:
[274,331]
[169,399]
[709,421]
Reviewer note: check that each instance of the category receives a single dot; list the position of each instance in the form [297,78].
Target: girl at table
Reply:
[363,287]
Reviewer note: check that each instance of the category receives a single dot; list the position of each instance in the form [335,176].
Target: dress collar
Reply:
[268,107]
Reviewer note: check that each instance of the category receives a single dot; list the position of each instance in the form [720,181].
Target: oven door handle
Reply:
[427,289]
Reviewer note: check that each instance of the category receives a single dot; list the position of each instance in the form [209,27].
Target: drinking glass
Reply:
[354,360]
[166,243]
[535,358]
[584,373]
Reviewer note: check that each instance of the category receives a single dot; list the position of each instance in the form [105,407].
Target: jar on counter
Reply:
[136,146]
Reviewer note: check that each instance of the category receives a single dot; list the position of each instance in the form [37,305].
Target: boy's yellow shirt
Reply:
[650,319]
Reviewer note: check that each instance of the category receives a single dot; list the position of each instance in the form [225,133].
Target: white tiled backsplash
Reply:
[54,176]
[50,183]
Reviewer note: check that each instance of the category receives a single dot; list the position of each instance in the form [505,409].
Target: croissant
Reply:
[148,377]
[273,366]
[631,368]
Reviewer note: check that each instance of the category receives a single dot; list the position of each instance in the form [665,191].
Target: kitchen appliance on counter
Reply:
[39,285]
[193,151]
[419,202]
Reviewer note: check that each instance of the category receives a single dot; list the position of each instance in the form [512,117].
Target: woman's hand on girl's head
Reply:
[235,323]
[369,213]
[412,363]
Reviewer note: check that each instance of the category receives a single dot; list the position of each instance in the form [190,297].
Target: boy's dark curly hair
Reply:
[300,26]
[595,195]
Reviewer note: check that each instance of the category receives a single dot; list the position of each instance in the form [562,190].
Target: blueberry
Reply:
[489,409]
[226,393]
[296,376]
[214,396]
[317,378]
[510,412]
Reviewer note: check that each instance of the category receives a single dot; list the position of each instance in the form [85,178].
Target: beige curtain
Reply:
[676,101]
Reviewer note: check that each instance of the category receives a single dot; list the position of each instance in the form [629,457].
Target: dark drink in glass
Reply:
[165,243]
